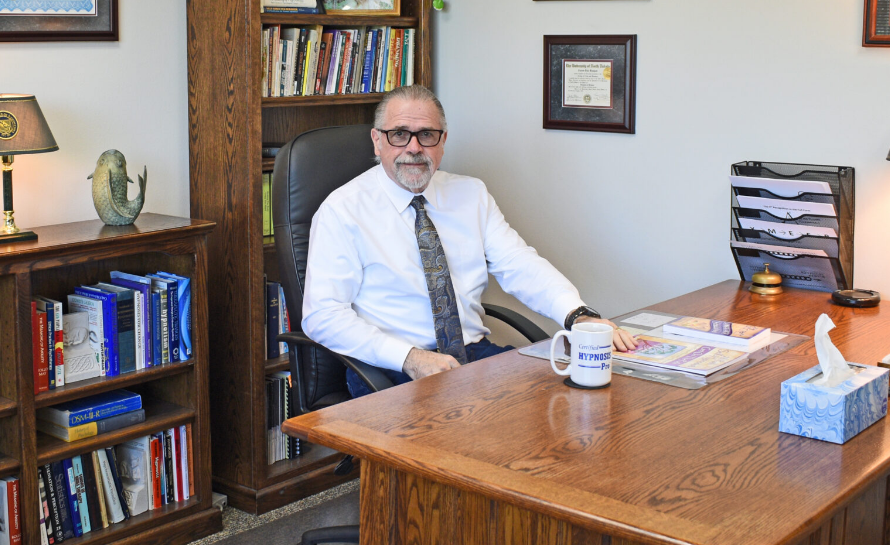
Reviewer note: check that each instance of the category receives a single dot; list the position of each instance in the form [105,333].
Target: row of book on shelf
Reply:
[129,323]
[277,319]
[312,60]
[279,407]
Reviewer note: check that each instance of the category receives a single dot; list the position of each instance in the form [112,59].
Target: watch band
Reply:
[580,311]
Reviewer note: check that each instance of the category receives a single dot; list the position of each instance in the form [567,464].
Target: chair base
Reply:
[331,534]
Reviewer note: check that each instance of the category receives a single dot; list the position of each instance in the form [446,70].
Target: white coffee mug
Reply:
[591,363]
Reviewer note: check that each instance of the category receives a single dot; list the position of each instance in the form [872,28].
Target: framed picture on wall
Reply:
[362,7]
[590,82]
[58,20]
[876,24]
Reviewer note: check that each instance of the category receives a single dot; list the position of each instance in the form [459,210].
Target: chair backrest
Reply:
[307,169]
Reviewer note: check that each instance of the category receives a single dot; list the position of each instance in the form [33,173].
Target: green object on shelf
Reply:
[438,4]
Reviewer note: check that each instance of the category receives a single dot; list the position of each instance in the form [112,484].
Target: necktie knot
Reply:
[417,202]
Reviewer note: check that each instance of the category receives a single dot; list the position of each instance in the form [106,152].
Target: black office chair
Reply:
[307,169]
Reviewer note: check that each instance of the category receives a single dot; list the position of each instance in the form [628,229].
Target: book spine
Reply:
[191,461]
[71,493]
[49,312]
[58,342]
[93,308]
[184,462]
[91,491]
[333,63]
[112,499]
[172,435]
[118,485]
[81,493]
[168,467]
[141,285]
[157,355]
[101,411]
[272,320]
[173,320]
[267,204]
[268,9]
[100,486]
[53,500]
[60,477]
[14,520]
[50,535]
[38,356]
[156,501]
[371,42]
[185,318]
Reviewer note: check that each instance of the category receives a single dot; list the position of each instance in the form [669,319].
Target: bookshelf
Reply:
[65,256]
[228,122]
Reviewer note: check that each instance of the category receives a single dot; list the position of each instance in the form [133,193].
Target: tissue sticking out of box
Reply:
[834,367]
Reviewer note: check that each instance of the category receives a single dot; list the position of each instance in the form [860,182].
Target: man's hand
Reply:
[421,363]
[622,340]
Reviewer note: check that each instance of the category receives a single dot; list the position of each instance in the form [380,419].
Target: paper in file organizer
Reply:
[799,267]
[787,231]
[826,244]
[801,190]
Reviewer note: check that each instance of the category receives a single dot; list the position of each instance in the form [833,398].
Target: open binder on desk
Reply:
[798,218]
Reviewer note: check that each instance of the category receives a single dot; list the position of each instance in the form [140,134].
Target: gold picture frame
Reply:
[362,7]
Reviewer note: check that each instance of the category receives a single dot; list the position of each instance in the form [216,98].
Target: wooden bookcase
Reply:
[63,257]
[228,122]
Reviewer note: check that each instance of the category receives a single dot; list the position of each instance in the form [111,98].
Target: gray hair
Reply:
[408,92]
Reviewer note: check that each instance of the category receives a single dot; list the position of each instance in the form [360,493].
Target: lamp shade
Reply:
[23,128]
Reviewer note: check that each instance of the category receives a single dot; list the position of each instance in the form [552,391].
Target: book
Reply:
[82,361]
[91,408]
[271,149]
[109,325]
[283,319]
[10,511]
[42,530]
[157,352]
[80,492]
[169,480]
[91,490]
[55,326]
[53,502]
[269,9]
[109,491]
[142,285]
[111,454]
[97,472]
[171,287]
[126,324]
[71,496]
[184,461]
[184,311]
[680,355]
[156,474]
[273,322]
[91,429]
[746,336]
[38,350]
[47,528]
[410,33]
[134,468]
[60,489]
[267,204]
[93,308]
[175,463]
[45,313]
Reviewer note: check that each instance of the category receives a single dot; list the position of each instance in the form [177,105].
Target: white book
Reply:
[409,58]
[134,469]
[112,501]
[139,328]
[82,361]
[183,451]
[93,307]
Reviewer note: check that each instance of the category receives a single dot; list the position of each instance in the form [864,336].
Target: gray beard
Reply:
[414,182]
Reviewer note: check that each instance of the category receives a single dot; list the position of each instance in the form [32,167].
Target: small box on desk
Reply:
[837,413]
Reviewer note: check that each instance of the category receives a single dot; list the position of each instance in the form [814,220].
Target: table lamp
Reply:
[23,129]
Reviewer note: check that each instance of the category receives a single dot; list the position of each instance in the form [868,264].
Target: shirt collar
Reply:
[401,197]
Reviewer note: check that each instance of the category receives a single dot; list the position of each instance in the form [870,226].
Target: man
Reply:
[399,257]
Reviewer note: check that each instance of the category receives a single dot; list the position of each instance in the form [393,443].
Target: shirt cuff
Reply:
[392,353]
[563,306]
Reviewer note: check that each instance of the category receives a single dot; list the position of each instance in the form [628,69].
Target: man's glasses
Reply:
[400,137]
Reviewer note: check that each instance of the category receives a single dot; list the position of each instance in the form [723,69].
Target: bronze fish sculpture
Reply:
[110,190]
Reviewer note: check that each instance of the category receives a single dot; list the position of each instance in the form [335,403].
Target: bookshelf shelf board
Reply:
[337,20]
[281,363]
[159,415]
[315,457]
[322,100]
[8,466]
[268,164]
[7,407]
[96,385]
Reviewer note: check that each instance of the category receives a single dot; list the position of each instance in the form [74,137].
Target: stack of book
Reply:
[95,490]
[90,416]
[10,512]
[267,204]
[277,319]
[310,60]
[279,407]
[129,323]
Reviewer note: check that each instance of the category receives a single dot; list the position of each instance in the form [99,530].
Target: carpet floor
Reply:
[335,507]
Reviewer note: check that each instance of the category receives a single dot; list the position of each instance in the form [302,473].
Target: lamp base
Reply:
[18,237]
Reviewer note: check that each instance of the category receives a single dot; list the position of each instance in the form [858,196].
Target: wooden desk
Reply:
[502,452]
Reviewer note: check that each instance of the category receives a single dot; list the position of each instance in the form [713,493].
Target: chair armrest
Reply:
[517,321]
[370,375]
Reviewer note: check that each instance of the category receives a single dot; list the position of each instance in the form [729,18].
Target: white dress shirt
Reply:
[366,294]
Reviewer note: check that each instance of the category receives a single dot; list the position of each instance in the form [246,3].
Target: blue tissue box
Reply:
[834,414]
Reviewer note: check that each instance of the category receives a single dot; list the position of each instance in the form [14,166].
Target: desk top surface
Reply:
[638,459]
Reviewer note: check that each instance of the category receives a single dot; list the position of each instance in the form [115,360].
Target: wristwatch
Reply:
[580,311]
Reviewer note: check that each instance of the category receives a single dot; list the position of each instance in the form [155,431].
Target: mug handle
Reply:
[568,369]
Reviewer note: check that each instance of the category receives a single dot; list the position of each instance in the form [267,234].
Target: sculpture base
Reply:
[17,237]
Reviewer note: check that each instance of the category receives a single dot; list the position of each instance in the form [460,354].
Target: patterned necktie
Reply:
[449,335]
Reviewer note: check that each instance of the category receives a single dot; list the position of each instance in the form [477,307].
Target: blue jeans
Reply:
[475,351]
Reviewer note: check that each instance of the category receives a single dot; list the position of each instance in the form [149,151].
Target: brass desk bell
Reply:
[766,282]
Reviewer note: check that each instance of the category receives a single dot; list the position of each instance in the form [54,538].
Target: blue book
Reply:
[143,286]
[273,320]
[91,408]
[156,331]
[370,54]
[60,488]
[71,493]
[381,84]
[126,325]
[81,493]
[184,303]
[109,325]
[172,287]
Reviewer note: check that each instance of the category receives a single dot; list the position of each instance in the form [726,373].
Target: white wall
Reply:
[129,95]
[635,219]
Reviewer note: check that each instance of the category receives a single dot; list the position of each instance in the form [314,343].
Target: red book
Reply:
[14,511]
[191,462]
[156,460]
[39,349]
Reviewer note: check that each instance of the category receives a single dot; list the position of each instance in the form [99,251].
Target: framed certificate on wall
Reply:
[876,24]
[590,83]
[58,20]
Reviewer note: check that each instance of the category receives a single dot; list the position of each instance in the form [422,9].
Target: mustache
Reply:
[408,157]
